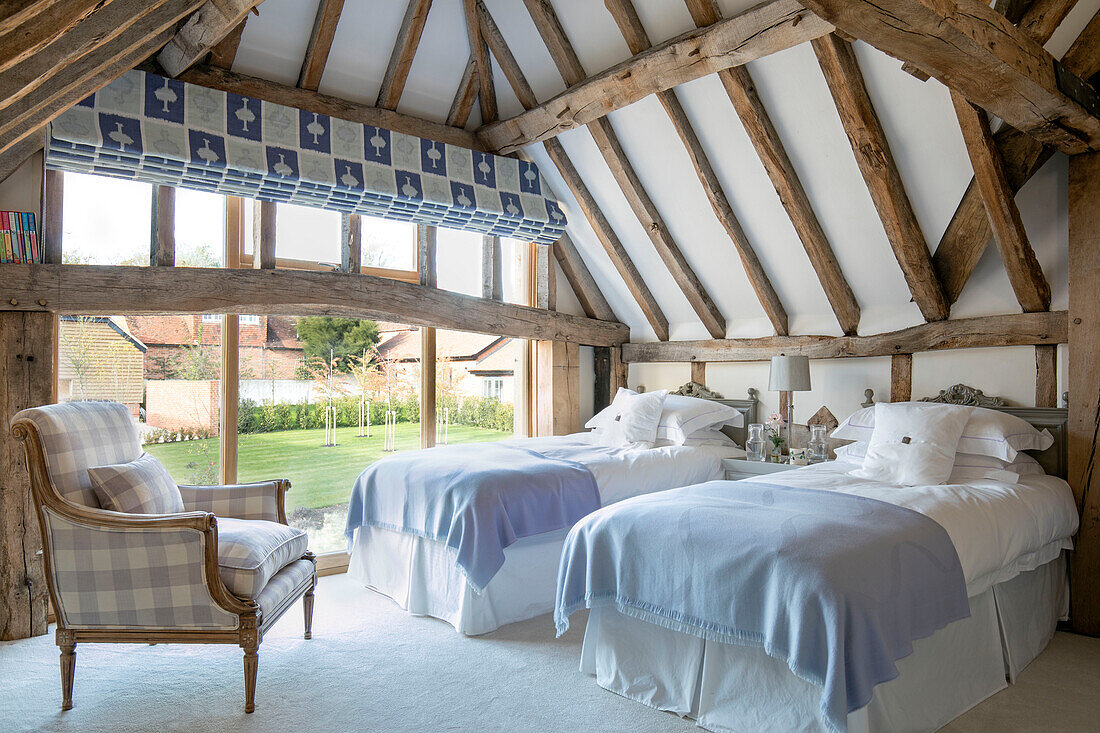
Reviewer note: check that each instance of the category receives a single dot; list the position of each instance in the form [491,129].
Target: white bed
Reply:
[421,576]
[1010,541]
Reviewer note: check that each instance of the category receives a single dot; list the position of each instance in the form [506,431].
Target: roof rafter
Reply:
[638,41]
[223,54]
[202,31]
[404,51]
[487,96]
[872,152]
[762,30]
[320,43]
[968,233]
[111,47]
[970,47]
[769,147]
[26,31]
[565,58]
[463,103]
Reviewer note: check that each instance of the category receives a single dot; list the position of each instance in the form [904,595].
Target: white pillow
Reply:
[913,443]
[635,425]
[702,438]
[681,417]
[987,433]
[966,466]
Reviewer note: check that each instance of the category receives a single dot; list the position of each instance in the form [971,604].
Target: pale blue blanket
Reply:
[837,586]
[477,499]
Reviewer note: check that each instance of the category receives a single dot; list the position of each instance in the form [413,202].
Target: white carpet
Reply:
[372,667]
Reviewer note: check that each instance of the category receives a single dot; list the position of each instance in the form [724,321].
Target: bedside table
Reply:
[738,468]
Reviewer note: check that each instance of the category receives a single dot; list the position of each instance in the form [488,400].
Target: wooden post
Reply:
[699,372]
[1046,375]
[263,235]
[601,365]
[228,393]
[492,286]
[162,238]
[901,377]
[351,243]
[27,379]
[426,264]
[1084,376]
[558,388]
[53,204]
[546,289]
[618,370]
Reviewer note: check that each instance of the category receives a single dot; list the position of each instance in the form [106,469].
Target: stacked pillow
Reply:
[916,444]
[682,421]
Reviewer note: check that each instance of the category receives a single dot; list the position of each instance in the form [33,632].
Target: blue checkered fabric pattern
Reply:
[238,501]
[163,131]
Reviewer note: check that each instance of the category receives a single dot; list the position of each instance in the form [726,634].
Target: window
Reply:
[493,387]
[213,318]
[459,261]
[388,244]
[200,229]
[106,220]
[248,320]
[473,384]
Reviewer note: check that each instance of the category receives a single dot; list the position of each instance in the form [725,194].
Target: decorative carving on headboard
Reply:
[961,394]
[825,417]
[694,389]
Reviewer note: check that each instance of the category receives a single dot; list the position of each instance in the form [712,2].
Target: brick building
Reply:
[99,359]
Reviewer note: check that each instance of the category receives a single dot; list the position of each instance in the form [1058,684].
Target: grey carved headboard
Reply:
[748,407]
[1054,419]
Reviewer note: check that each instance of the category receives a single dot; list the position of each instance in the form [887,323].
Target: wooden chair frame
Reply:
[252,622]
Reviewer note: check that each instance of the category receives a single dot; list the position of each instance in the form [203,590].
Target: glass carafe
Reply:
[819,449]
[756,447]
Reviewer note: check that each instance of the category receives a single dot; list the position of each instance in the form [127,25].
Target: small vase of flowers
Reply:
[773,431]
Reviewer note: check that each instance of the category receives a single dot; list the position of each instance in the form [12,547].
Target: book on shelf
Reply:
[19,237]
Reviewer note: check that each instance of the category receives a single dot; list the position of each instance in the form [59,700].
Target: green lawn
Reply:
[320,477]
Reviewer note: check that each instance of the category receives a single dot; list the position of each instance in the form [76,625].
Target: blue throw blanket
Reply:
[477,499]
[837,586]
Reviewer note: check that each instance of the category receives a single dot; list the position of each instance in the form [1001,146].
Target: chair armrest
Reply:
[147,571]
[260,500]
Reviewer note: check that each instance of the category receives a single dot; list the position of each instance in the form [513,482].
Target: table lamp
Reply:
[789,374]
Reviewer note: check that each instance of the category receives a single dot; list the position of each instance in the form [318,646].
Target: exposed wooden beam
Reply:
[28,27]
[107,47]
[53,215]
[202,31]
[584,286]
[1024,271]
[463,103]
[629,181]
[1084,397]
[699,372]
[404,50]
[968,233]
[487,96]
[109,290]
[492,268]
[427,267]
[546,280]
[264,215]
[880,172]
[269,91]
[351,243]
[15,156]
[769,147]
[225,53]
[1083,57]
[162,240]
[651,309]
[1042,17]
[1017,329]
[1046,375]
[767,28]
[320,43]
[638,41]
[973,49]
[901,377]
[494,39]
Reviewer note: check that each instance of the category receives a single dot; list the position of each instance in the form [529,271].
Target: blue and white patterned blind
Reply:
[149,128]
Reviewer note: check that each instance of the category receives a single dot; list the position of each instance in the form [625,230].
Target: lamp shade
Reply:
[790,374]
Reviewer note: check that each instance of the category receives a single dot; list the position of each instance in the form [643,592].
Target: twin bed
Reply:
[806,600]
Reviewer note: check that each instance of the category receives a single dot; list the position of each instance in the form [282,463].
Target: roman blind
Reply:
[162,131]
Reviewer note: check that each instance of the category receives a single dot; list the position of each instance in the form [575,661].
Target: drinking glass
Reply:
[819,449]
[756,447]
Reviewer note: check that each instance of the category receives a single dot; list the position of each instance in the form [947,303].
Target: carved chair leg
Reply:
[251,667]
[307,606]
[68,671]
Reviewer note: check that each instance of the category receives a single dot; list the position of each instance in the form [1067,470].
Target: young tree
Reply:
[342,337]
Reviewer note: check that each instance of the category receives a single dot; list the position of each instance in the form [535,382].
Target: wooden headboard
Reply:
[747,407]
[1054,459]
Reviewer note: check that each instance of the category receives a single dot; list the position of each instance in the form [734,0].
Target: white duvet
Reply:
[625,472]
[1000,530]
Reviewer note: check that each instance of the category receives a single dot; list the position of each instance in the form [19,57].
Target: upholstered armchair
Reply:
[221,572]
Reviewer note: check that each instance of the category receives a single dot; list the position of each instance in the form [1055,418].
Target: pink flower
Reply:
[776,419]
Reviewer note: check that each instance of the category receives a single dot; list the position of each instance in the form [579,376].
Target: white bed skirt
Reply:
[736,688]
[421,576]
